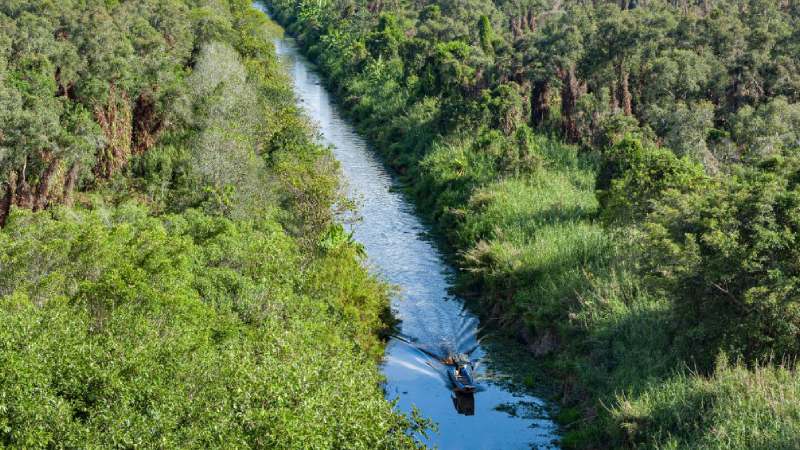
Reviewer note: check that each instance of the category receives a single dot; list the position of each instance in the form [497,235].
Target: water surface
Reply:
[433,322]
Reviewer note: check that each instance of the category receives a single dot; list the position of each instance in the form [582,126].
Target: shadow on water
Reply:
[464,403]
[435,326]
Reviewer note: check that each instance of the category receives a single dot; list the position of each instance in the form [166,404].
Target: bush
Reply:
[728,254]
[185,331]
[634,175]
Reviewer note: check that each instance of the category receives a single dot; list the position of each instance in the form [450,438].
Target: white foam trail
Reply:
[422,370]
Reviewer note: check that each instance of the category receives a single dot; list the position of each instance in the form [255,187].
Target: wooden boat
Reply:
[461,377]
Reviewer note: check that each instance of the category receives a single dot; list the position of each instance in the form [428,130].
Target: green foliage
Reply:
[768,130]
[200,295]
[634,176]
[727,253]
[486,34]
[185,330]
[384,41]
[682,115]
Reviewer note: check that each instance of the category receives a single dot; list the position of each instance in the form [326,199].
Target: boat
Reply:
[461,377]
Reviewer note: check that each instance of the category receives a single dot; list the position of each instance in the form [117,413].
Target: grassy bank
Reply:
[629,270]
[186,284]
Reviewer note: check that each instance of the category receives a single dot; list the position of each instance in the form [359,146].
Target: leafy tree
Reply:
[768,130]
[634,176]
[728,253]
[486,34]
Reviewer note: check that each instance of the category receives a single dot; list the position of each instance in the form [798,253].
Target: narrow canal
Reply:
[434,322]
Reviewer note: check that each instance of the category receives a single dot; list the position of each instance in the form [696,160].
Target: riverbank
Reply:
[549,260]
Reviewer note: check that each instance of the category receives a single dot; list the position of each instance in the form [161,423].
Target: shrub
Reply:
[189,330]
[728,253]
[634,175]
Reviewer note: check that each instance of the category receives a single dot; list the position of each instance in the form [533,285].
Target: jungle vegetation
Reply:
[172,274]
[619,183]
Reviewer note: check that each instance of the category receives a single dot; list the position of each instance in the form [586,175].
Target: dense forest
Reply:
[172,274]
[619,183]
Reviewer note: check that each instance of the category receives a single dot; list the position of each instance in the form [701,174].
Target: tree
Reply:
[768,130]
[562,41]
[727,251]
[634,176]
[486,34]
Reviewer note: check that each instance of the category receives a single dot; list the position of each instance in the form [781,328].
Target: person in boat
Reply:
[462,379]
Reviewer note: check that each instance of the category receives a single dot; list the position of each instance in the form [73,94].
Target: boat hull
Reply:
[462,384]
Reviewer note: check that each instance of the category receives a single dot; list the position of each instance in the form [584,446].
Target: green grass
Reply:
[737,407]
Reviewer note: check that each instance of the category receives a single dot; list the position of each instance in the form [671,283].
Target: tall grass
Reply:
[737,407]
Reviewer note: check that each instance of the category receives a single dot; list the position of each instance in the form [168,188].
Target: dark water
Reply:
[433,321]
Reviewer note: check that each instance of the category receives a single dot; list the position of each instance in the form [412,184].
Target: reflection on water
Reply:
[434,324]
[464,403]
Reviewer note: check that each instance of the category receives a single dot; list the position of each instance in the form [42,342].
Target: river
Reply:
[433,321]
